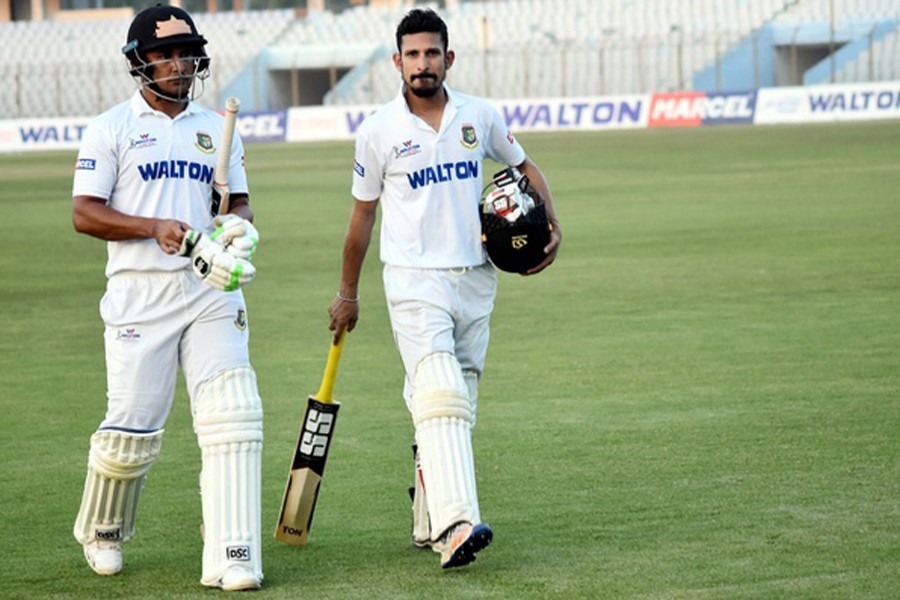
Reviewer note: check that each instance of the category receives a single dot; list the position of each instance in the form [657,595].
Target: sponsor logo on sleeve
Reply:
[360,170]
[85,164]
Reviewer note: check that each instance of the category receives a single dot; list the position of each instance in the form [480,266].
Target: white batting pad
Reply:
[421,531]
[471,379]
[443,416]
[228,422]
[117,468]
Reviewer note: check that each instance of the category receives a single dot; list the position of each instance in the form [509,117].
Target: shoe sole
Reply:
[99,571]
[242,587]
[478,540]
[239,579]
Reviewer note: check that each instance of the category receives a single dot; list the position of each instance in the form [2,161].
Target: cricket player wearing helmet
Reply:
[144,183]
[421,155]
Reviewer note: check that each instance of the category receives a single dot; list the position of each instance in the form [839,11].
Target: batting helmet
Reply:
[514,245]
[157,28]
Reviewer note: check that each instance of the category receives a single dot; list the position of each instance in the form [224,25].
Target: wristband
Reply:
[347,299]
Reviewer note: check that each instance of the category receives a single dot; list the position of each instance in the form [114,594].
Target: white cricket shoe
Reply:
[103,556]
[238,578]
[463,541]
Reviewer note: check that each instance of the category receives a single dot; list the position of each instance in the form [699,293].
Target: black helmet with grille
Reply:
[160,27]
[514,224]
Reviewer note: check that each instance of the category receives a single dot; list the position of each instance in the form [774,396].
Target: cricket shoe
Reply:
[238,578]
[103,556]
[463,541]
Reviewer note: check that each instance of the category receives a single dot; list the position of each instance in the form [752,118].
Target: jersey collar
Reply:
[140,107]
[454,101]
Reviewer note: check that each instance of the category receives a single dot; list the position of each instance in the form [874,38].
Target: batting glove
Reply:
[213,264]
[237,235]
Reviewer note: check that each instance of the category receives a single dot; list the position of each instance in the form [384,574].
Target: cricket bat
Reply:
[310,454]
[220,177]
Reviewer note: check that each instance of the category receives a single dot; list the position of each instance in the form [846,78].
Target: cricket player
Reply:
[144,183]
[421,155]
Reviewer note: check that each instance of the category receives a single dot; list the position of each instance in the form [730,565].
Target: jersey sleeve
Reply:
[97,166]
[368,170]
[502,146]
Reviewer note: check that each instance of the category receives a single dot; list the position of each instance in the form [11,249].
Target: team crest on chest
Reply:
[204,143]
[469,139]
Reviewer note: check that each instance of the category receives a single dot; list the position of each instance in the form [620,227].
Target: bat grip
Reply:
[326,390]
[220,177]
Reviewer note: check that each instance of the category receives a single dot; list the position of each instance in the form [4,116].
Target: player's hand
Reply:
[213,264]
[344,315]
[551,250]
[169,234]
[237,235]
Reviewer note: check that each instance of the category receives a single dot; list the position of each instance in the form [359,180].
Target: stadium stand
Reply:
[76,67]
[531,48]
[505,49]
[880,63]
[856,30]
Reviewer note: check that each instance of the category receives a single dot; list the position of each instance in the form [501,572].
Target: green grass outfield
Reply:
[699,400]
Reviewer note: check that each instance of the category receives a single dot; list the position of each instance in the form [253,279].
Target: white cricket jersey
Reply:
[146,164]
[430,182]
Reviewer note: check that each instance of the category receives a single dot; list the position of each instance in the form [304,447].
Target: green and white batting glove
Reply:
[213,264]
[237,235]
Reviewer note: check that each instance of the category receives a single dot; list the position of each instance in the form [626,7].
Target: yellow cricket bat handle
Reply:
[326,391]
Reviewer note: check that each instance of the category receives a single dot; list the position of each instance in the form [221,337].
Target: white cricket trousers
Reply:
[440,310]
[155,322]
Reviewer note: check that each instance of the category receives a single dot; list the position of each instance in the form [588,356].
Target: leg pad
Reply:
[228,422]
[443,415]
[117,468]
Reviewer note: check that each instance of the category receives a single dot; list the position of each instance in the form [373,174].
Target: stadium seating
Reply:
[532,48]
[508,48]
[76,67]
[879,63]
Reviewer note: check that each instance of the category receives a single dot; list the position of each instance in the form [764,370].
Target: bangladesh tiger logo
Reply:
[204,143]
[469,139]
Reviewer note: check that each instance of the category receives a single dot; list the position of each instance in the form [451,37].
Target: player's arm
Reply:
[537,179]
[240,206]
[344,309]
[91,216]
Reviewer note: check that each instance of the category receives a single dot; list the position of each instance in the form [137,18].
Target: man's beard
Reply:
[425,92]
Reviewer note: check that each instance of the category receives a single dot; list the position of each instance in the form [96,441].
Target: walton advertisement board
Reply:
[828,103]
[813,104]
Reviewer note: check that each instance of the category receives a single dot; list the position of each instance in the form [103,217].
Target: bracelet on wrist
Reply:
[347,299]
